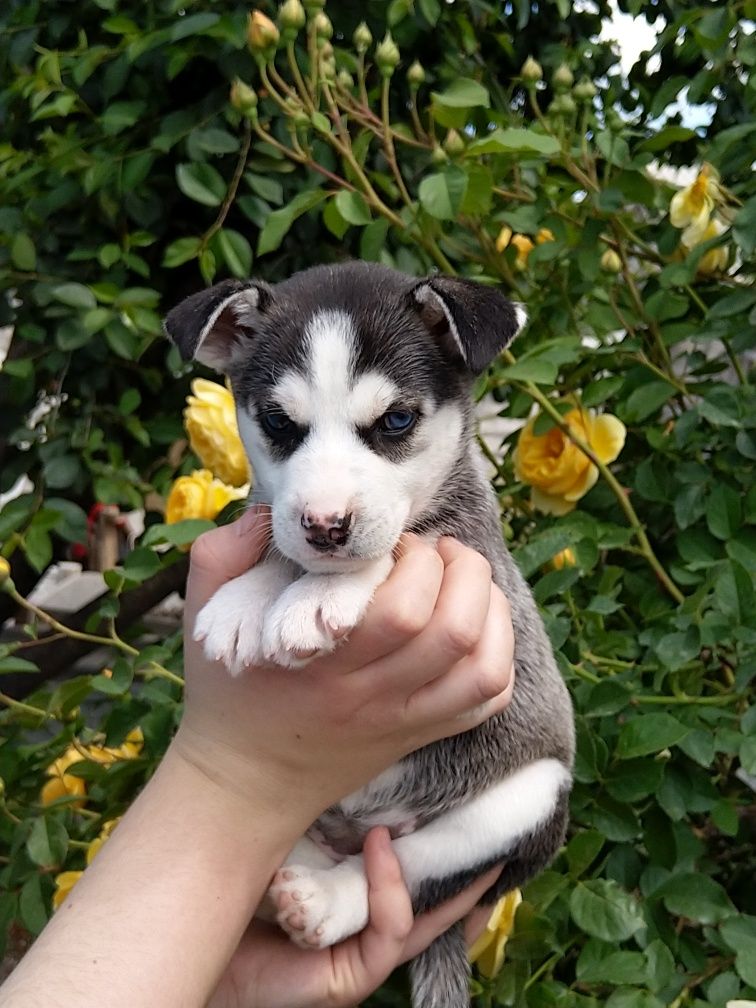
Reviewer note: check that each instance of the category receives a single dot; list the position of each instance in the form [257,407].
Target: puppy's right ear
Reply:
[213,325]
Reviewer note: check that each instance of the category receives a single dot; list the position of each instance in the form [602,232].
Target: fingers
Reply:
[455,626]
[401,609]
[430,925]
[368,958]
[480,684]
[225,553]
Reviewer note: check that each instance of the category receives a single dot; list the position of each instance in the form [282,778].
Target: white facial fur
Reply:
[333,471]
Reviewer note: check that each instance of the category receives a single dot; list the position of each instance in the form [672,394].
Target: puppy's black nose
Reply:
[326,532]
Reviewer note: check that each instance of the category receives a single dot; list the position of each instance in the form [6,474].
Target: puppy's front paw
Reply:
[318,908]
[230,625]
[310,619]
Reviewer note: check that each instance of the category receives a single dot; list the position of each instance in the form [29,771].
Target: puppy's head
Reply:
[352,391]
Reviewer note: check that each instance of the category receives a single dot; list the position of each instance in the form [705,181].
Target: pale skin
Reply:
[161,917]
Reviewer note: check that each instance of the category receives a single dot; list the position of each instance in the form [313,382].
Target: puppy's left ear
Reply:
[471,321]
[214,325]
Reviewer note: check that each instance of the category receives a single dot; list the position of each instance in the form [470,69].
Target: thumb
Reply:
[224,553]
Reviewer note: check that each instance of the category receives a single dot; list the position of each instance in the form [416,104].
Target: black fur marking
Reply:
[484,320]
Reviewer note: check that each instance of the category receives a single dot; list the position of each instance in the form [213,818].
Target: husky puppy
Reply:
[352,385]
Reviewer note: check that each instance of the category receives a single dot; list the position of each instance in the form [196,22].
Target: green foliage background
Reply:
[127,180]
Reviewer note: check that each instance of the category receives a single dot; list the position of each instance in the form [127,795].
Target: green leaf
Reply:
[75,295]
[603,909]
[62,471]
[514,141]
[141,564]
[23,252]
[352,207]
[180,533]
[539,370]
[441,194]
[744,226]
[31,905]
[47,843]
[236,251]
[71,523]
[461,94]
[201,183]
[697,897]
[649,733]
[723,511]
[740,934]
[582,850]
[192,24]
[279,222]
[181,251]
[647,399]
[10,663]
[612,968]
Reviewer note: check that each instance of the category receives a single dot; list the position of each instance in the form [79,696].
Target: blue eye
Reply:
[276,423]
[397,422]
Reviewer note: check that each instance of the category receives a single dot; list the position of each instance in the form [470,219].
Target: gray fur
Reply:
[404,332]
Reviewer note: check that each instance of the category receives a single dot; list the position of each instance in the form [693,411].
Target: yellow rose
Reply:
[488,951]
[524,247]
[565,558]
[521,242]
[210,422]
[200,496]
[691,207]
[62,784]
[715,260]
[95,845]
[544,235]
[64,883]
[558,472]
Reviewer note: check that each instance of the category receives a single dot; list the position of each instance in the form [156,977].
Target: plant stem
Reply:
[69,631]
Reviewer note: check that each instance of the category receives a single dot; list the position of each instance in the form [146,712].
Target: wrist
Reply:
[251,788]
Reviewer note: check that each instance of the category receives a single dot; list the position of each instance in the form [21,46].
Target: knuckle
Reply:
[404,619]
[461,638]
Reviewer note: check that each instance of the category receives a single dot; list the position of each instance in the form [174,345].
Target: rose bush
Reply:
[147,150]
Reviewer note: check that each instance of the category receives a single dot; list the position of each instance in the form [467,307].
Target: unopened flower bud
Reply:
[362,38]
[328,69]
[562,105]
[453,143]
[416,75]
[438,155]
[325,49]
[313,6]
[387,56]
[323,26]
[345,80]
[243,98]
[611,262]
[544,235]
[614,121]
[6,584]
[584,90]
[531,71]
[291,17]
[562,78]
[262,34]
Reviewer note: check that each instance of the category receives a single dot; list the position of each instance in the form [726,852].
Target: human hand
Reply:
[269,971]
[432,658]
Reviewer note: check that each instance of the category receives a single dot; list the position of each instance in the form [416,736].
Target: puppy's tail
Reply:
[440,976]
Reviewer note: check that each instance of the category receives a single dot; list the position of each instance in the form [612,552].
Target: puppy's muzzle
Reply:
[326,532]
